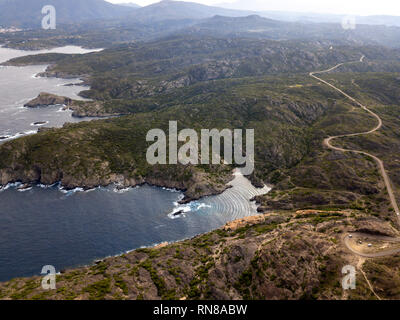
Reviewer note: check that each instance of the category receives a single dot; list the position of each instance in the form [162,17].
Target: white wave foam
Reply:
[71,191]
[121,190]
[63,109]
[183,209]
[46,186]
[203,205]
[179,212]
[18,135]
[170,189]
[33,124]
[24,189]
[10,185]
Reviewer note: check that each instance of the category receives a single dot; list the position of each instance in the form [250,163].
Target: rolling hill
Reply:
[180,10]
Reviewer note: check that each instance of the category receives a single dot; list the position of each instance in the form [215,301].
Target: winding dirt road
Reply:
[382,253]
[328,141]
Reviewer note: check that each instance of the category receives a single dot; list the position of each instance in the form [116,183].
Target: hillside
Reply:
[207,83]
[245,72]
[297,255]
[139,70]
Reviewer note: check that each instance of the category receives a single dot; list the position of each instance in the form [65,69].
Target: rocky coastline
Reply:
[67,183]
[80,109]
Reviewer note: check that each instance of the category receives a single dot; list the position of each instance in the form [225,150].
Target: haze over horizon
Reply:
[356,7]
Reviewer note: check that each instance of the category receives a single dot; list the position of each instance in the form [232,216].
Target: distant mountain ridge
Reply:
[293,16]
[97,23]
[27,13]
[384,20]
[181,10]
[255,26]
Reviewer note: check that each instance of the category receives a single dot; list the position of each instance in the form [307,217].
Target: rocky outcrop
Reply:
[79,108]
[375,226]
[82,109]
[47,99]
[59,74]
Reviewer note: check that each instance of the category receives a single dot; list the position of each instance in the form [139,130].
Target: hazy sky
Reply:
[354,7]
